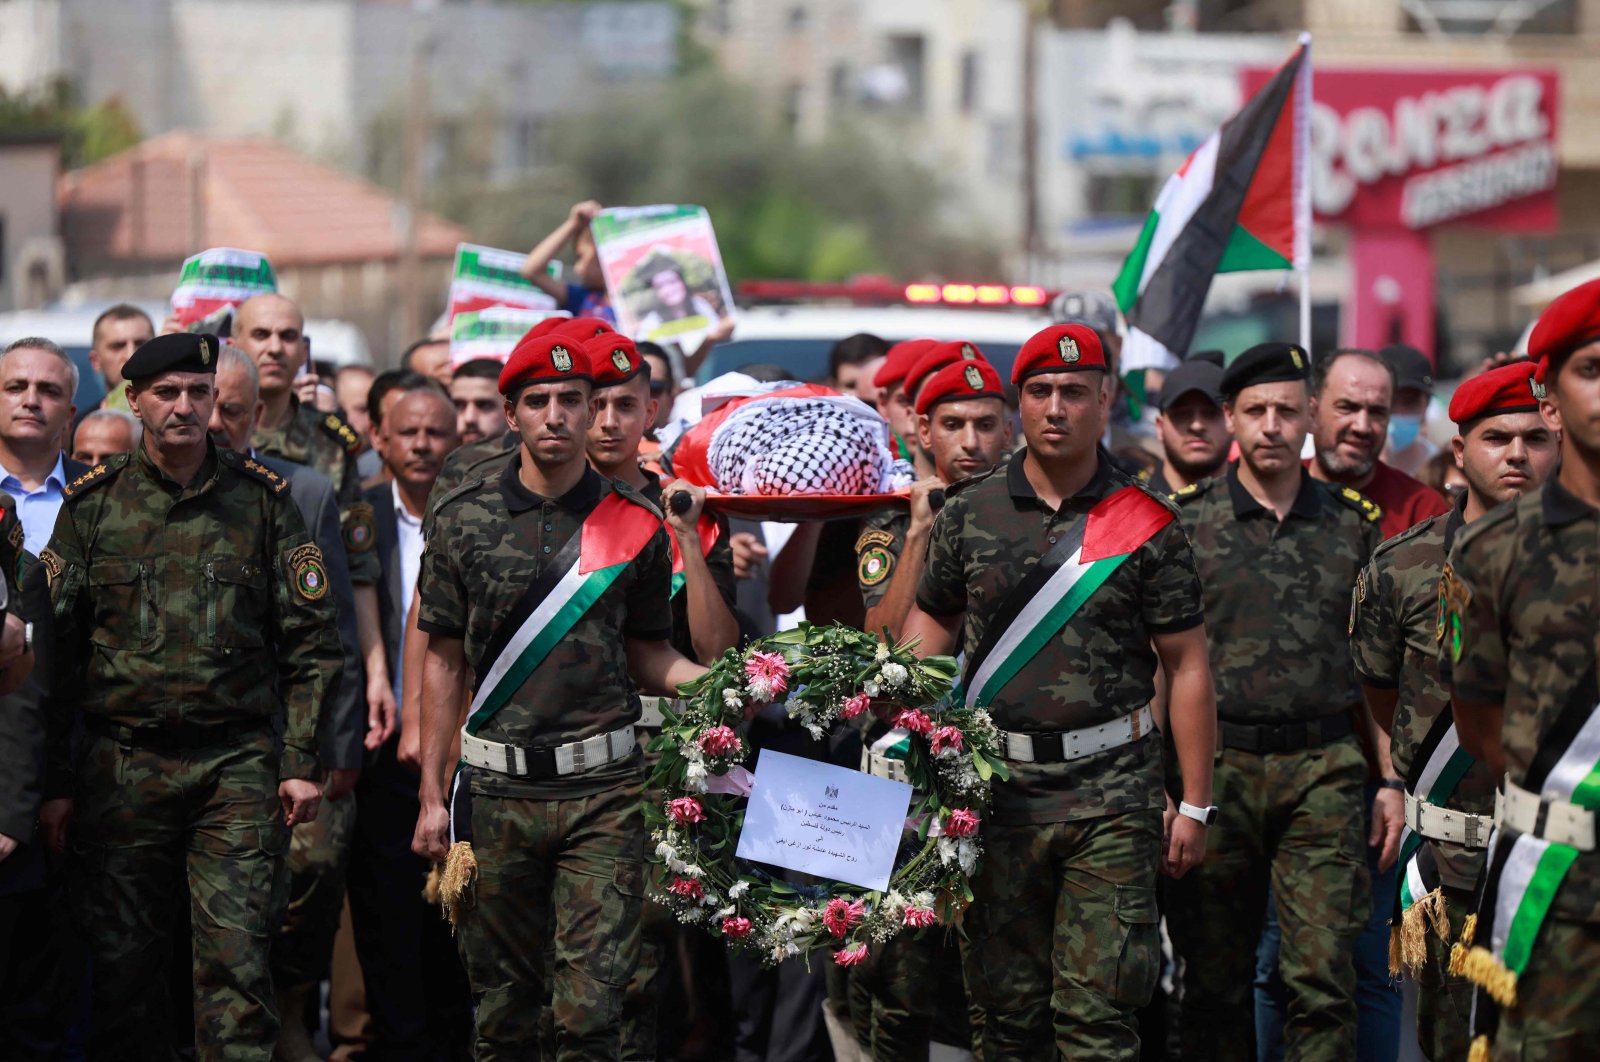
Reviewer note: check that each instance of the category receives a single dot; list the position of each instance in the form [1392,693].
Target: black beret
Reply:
[1264,363]
[178,352]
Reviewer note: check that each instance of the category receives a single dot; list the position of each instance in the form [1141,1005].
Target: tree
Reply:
[87,134]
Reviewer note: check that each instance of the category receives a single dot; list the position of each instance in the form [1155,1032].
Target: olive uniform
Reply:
[554,850]
[1289,774]
[1062,944]
[1393,638]
[197,637]
[1518,616]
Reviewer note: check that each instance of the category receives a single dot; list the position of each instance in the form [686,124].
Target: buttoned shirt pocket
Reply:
[236,599]
[124,613]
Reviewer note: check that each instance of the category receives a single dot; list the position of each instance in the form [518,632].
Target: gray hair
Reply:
[231,357]
[49,347]
[134,425]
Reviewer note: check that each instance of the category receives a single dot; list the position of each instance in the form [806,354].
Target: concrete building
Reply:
[31,260]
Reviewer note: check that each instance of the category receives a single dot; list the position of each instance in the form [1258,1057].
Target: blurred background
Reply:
[853,147]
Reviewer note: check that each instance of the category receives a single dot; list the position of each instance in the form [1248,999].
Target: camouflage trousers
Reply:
[1293,819]
[319,855]
[150,823]
[1444,1003]
[1063,941]
[558,876]
[1557,1016]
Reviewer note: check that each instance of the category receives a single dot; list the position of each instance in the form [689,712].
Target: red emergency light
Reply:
[881,291]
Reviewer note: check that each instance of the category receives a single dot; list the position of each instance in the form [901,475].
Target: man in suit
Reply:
[416,988]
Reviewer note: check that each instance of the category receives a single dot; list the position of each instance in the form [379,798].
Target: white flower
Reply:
[710,899]
[949,850]
[697,777]
[870,688]
[815,730]
[893,675]
[724,912]
[881,653]
[665,852]
[692,914]
[949,752]
[761,690]
[691,870]
[967,855]
[804,919]
[693,753]
[923,899]
[732,699]
[738,889]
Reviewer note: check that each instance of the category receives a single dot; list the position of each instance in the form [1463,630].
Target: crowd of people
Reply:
[279,643]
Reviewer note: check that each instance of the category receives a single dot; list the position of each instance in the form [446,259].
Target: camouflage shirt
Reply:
[1100,667]
[883,536]
[473,461]
[1393,638]
[1524,595]
[491,538]
[324,442]
[203,606]
[1277,594]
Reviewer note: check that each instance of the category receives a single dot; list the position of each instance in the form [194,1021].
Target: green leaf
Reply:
[981,764]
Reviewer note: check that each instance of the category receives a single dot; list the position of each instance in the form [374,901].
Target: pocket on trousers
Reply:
[239,889]
[617,938]
[1138,966]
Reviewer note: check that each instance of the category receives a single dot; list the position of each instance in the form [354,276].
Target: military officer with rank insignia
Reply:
[197,639]
[550,582]
[1517,637]
[1277,553]
[1066,585]
[1504,449]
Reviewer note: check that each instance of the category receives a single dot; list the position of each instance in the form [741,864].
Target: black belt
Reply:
[177,735]
[1285,737]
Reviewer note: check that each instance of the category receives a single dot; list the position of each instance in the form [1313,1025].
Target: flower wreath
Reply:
[822,675]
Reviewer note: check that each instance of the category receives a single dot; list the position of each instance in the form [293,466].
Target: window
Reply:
[1120,194]
[969,82]
[906,53]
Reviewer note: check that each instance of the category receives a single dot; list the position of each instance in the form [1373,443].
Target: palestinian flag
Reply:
[1240,202]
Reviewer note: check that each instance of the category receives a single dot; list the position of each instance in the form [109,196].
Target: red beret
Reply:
[1572,321]
[957,381]
[937,357]
[1503,389]
[1059,348]
[614,359]
[544,359]
[576,327]
[899,360]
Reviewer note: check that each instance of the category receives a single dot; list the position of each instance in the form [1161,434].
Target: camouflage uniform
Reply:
[1063,943]
[878,548]
[1394,642]
[1528,613]
[196,635]
[1288,778]
[561,852]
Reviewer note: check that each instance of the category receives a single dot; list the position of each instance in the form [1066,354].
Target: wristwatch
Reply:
[1391,783]
[1204,816]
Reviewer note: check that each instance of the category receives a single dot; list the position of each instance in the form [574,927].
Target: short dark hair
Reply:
[855,350]
[122,311]
[1321,367]
[425,341]
[478,369]
[389,381]
[656,350]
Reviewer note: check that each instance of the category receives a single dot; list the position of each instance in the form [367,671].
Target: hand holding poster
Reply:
[491,332]
[213,283]
[488,276]
[664,272]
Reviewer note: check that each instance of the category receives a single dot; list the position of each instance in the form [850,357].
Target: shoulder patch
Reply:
[873,537]
[255,470]
[309,574]
[16,535]
[1360,503]
[637,499]
[359,523]
[100,473]
[876,564]
[1454,597]
[52,564]
[336,427]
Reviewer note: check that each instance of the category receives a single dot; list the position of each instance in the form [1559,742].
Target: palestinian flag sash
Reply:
[706,527]
[1058,585]
[611,536]
[1525,872]
[1436,770]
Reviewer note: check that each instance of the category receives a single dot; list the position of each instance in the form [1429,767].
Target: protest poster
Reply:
[487,276]
[491,332]
[213,283]
[663,271]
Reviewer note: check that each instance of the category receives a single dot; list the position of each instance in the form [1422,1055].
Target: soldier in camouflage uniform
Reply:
[963,428]
[196,636]
[1277,553]
[1062,944]
[1518,619]
[555,785]
[1504,450]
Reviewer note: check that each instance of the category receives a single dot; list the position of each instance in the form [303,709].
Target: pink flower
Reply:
[687,888]
[685,810]
[855,706]
[737,928]
[915,721]
[962,822]
[720,741]
[854,955]
[920,917]
[768,670]
[840,915]
[946,737]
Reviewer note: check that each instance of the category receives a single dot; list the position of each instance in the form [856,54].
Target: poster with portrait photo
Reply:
[664,272]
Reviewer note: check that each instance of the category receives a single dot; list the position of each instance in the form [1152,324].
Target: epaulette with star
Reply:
[97,475]
[1360,503]
[254,469]
[1192,491]
[335,426]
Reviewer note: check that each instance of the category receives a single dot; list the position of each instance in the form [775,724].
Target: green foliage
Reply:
[87,134]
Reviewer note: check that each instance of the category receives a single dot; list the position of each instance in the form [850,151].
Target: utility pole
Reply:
[1032,12]
[412,178]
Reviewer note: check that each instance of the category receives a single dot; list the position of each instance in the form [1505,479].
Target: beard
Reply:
[1339,469]
[1192,469]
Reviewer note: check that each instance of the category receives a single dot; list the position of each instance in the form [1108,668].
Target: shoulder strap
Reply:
[253,469]
[333,425]
[100,473]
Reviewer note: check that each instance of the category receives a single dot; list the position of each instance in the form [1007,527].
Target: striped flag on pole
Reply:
[1240,202]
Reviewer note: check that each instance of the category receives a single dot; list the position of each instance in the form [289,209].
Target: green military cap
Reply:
[179,352]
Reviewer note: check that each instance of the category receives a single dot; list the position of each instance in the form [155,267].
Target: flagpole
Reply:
[1302,190]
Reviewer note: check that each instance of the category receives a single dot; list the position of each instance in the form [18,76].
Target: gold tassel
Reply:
[1479,1051]
[1395,965]
[1458,953]
[1484,970]
[1469,929]
[1408,941]
[460,870]
[430,888]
